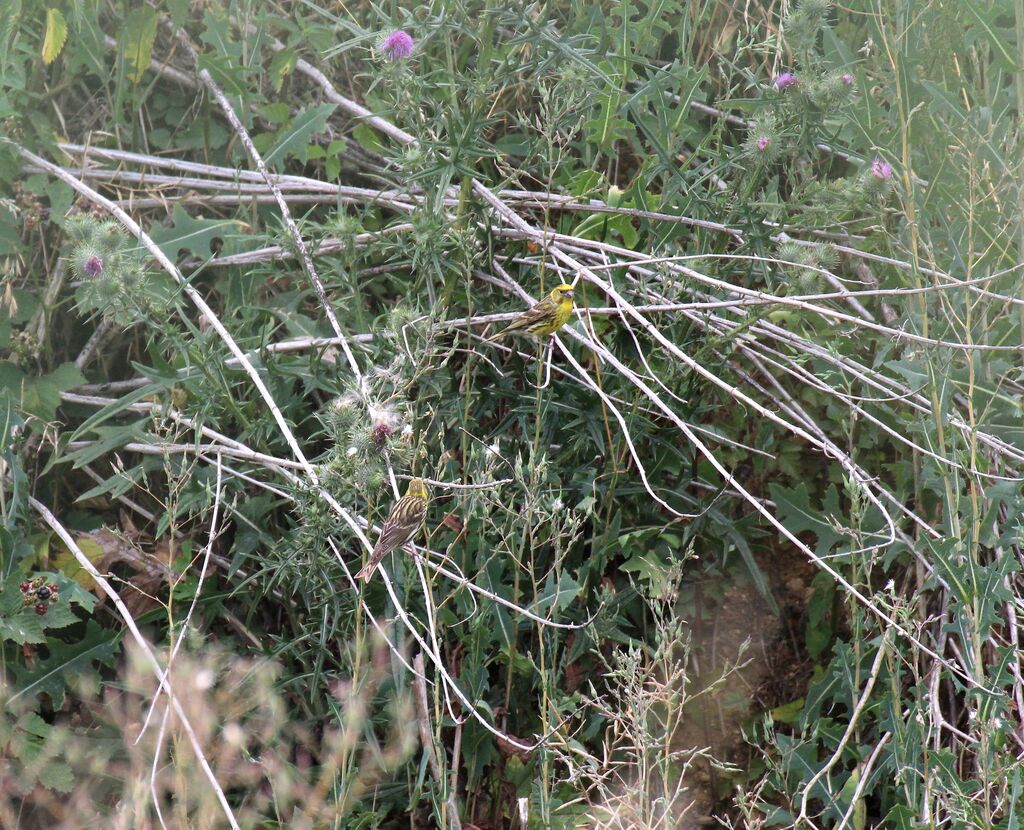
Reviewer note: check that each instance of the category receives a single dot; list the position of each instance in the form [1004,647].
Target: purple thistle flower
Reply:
[847,79]
[763,142]
[881,169]
[784,80]
[397,46]
[93,266]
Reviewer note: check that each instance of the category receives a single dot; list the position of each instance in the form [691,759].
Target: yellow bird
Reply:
[405,518]
[543,318]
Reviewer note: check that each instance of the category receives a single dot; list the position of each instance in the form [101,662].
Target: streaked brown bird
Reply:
[405,518]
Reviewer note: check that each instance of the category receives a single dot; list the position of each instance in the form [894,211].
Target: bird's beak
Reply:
[568,294]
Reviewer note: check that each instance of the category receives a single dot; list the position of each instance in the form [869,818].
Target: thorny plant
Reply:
[731,265]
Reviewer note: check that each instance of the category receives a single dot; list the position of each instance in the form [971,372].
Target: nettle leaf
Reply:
[49,676]
[196,235]
[291,140]
[138,35]
[56,35]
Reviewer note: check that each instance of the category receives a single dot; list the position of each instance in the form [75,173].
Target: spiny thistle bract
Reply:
[764,141]
[877,179]
[366,433]
[830,90]
[112,268]
[803,25]
[803,264]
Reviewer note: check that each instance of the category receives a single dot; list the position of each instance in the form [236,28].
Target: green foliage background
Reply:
[884,434]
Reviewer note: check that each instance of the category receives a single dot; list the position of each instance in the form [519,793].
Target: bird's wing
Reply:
[404,520]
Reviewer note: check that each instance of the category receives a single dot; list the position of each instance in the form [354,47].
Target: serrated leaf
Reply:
[193,235]
[138,35]
[39,396]
[24,627]
[275,113]
[33,724]
[57,776]
[796,512]
[292,138]
[652,569]
[49,676]
[56,35]
[556,597]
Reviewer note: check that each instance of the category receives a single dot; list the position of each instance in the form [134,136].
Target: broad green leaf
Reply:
[195,235]
[49,676]
[57,776]
[282,64]
[22,628]
[56,35]
[292,138]
[138,35]
[368,138]
[39,396]
[789,712]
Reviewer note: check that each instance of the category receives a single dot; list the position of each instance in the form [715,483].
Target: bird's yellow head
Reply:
[562,296]
[417,488]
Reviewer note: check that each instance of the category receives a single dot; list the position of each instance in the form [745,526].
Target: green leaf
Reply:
[24,627]
[49,676]
[282,65]
[292,139]
[789,712]
[651,569]
[796,512]
[178,10]
[368,139]
[195,235]
[275,113]
[139,32]
[56,35]
[57,776]
[39,396]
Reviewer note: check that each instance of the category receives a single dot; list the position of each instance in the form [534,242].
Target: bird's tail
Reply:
[494,338]
[366,572]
